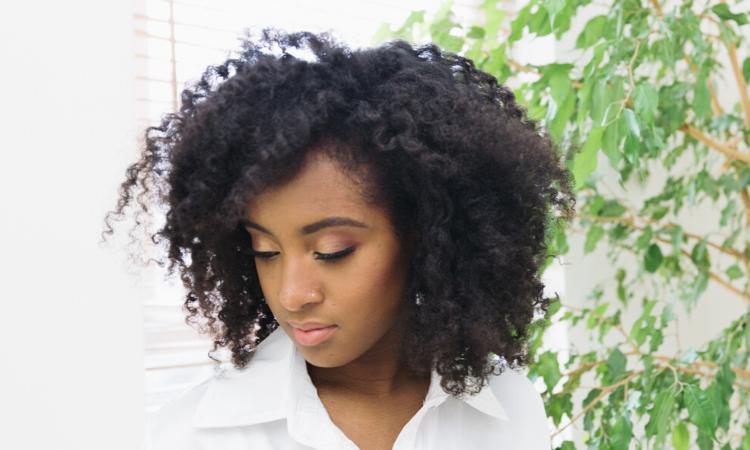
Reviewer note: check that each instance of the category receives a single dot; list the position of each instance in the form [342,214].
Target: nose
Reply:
[299,286]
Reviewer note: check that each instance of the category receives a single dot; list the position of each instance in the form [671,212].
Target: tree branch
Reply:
[741,86]
[725,149]
[628,220]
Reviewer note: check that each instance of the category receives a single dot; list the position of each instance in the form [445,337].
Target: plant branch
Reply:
[605,391]
[517,66]
[628,220]
[740,79]
[657,7]
[712,275]
[725,149]
[636,351]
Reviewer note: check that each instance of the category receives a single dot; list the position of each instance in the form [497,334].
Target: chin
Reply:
[322,359]
[323,365]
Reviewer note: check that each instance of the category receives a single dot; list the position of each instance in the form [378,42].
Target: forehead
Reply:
[320,187]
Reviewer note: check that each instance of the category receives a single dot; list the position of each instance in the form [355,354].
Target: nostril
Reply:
[294,300]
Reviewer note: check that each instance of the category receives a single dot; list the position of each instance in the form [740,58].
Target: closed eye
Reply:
[321,256]
[332,256]
[263,255]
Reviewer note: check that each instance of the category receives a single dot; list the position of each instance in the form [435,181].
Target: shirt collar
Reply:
[275,385]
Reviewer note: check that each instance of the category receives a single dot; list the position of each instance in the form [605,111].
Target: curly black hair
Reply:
[465,175]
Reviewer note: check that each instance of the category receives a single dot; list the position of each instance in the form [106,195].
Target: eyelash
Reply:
[327,257]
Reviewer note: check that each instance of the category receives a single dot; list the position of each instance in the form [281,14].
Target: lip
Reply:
[313,336]
[307,326]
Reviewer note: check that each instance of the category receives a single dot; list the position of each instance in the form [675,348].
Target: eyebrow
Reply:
[312,227]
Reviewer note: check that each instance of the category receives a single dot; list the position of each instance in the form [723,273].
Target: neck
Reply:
[378,373]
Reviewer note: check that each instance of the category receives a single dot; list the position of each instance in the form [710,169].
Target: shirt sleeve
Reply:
[539,420]
[529,424]
[170,426]
[537,416]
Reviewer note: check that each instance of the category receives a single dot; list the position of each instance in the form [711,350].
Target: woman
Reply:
[363,231]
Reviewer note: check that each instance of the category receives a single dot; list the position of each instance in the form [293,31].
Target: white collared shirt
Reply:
[273,404]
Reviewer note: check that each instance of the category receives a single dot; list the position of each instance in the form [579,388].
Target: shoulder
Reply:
[233,397]
[171,426]
[513,387]
[523,404]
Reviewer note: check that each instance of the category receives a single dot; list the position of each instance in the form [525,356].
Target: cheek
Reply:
[262,278]
[378,286]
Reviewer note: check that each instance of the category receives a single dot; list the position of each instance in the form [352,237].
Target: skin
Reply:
[365,390]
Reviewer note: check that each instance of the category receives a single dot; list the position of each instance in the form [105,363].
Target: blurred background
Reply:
[91,339]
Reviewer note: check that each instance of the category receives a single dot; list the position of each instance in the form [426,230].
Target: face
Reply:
[326,258]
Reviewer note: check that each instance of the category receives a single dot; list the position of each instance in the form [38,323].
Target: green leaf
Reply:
[622,294]
[701,411]
[697,286]
[549,368]
[653,258]
[591,32]
[405,30]
[655,341]
[559,405]
[593,236]
[493,15]
[681,437]
[746,69]
[622,434]
[646,101]
[672,106]
[611,145]
[553,6]
[540,23]
[382,34]
[688,356]
[611,208]
[606,99]
[520,22]
[616,365]
[475,32]
[727,213]
[599,100]
[660,414]
[553,308]
[496,60]
[632,153]
[635,129]
[699,255]
[722,10]
[720,392]
[705,440]
[667,315]
[677,236]
[734,272]
[562,117]
[558,78]
[701,99]
[591,396]
[584,162]
[727,33]
[645,238]
[584,101]
[451,43]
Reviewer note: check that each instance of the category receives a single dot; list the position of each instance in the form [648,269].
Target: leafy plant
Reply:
[644,92]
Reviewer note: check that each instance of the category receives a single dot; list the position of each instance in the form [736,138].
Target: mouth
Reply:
[315,336]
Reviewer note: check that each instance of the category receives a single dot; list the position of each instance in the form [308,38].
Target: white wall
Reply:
[71,335]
